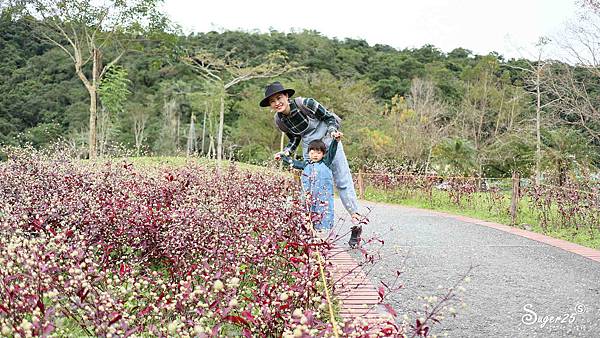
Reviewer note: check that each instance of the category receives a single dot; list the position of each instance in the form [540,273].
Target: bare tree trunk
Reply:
[499,114]
[138,131]
[220,134]
[171,121]
[92,136]
[103,130]
[211,148]
[538,109]
[211,135]
[96,67]
[514,203]
[177,124]
[479,138]
[512,113]
[482,113]
[428,160]
[191,144]
[204,128]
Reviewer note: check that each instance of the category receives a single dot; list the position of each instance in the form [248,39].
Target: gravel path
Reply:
[514,280]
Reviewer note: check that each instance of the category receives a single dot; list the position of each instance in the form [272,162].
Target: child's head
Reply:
[316,150]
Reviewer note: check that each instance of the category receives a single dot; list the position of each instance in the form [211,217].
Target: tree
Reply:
[535,81]
[481,104]
[87,31]
[455,156]
[593,5]
[512,151]
[175,104]
[577,93]
[254,131]
[430,114]
[578,87]
[113,92]
[227,72]
[139,116]
[566,149]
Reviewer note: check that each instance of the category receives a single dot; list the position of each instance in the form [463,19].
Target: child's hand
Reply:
[337,135]
[281,153]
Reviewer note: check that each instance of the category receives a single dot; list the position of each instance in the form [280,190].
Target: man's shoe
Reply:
[355,236]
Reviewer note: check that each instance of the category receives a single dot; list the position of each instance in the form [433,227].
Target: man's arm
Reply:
[322,114]
[294,140]
[328,159]
[293,143]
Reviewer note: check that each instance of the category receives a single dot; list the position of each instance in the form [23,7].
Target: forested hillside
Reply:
[419,109]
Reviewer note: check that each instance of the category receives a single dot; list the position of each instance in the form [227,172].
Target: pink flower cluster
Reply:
[113,250]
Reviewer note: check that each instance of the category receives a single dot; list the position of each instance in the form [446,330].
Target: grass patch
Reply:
[180,161]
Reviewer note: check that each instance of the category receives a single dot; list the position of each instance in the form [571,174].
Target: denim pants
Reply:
[317,130]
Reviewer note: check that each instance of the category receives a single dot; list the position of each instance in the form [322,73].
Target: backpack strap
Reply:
[280,124]
[300,103]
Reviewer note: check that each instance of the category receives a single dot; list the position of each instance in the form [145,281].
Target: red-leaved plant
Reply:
[107,249]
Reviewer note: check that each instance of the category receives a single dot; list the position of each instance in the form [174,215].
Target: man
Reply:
[306,120]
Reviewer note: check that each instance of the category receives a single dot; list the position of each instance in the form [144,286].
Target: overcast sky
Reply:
[482,26]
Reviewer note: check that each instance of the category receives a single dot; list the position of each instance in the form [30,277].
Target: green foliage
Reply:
[510,152]
[254,135]
[114,90]
[455,157]
[475,115]
[565,150]
[43,133]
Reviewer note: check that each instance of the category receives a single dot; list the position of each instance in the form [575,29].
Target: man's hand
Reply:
[281,153]
[337,135]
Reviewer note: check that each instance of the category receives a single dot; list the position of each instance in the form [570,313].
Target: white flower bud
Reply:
[218,285]
[234,282]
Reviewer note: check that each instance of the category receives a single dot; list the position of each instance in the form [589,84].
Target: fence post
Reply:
[361,184]
[514,201]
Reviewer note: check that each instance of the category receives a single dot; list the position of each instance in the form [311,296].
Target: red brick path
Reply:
[359,298]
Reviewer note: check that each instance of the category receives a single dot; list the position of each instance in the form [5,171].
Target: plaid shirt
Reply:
[297,121]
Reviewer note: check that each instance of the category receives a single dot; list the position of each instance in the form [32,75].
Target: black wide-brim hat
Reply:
[273,89]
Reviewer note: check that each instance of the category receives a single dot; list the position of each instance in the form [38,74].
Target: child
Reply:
[317,181]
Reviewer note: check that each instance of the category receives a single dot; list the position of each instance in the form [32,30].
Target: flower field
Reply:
[109,249]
